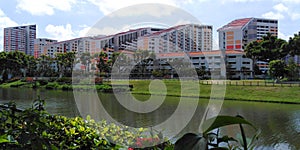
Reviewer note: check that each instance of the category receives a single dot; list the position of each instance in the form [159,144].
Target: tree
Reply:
[268,49]
[292,70]
[293,45]
[44,66]
[102,63]
[143,59]
[277,69]
[85,59]
[64,62]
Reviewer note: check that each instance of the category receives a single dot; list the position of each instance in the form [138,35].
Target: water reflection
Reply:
[280,123]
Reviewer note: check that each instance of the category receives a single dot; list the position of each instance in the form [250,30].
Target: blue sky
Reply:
[66,19]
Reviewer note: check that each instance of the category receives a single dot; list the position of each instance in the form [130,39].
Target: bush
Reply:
[13,79]
[67,87]
[34,128]
[52,85]
[66,80]
[17,84]
[43,82]
[104,88]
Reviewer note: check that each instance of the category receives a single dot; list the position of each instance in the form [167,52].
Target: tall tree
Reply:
[293,45]
[268,49]
[277,69]
[102,62]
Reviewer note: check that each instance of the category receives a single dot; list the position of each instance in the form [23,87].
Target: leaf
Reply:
[191,141]
[221,121]
[3,139]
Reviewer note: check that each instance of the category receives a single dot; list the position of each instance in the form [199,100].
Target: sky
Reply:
[67,19]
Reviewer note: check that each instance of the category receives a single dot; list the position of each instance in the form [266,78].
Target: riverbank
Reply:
[274,94]
[239,91]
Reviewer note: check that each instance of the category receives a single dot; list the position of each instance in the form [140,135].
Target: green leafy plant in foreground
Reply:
[210,140]
[34,128]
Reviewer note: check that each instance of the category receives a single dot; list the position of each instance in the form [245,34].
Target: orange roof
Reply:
[238,23]
[214,52]
[181,54]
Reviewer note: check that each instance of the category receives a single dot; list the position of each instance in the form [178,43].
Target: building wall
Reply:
[39,44]
[20,38]
[190,37]
[245,33]
[237,66]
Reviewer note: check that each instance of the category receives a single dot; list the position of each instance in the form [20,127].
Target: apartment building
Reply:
[77,45]
[20,38]
[216,61]
[238,33]
[187,38]
[39,44]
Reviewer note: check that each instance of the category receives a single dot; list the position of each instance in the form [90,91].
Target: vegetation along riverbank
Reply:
[253,90]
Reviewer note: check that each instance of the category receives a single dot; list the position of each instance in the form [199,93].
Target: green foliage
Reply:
[211,140]
[294,45]
[66,80]
[34,128]
[52,85]
[292,70]
[277,68]
[268,49]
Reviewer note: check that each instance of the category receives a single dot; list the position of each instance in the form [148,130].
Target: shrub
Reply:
[43,82]
[67,80]
[34,128]
[52,85]
[13,79]
[66,87]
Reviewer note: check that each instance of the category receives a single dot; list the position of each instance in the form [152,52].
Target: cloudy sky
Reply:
[66,19]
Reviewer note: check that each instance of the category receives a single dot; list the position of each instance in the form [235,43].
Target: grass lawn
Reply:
[261,93]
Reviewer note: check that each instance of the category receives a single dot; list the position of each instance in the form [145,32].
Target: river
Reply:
[279,123]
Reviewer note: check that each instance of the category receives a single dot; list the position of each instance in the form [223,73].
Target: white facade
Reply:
[20,38]
[238,33]
[187,38]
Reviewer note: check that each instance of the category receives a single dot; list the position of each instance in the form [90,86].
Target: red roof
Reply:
[166,30]
[213,52]
[238,23]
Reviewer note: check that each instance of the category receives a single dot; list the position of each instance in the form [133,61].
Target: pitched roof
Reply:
[238,23]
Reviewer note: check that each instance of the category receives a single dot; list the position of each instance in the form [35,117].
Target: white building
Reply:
[238,33]
[187,38]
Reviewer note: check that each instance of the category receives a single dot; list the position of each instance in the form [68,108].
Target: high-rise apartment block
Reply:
[39,44]
[188,38]
[238,33]
[20,38]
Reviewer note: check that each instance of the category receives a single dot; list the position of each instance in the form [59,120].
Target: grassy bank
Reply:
[236,91]
[276,94]
[56,86]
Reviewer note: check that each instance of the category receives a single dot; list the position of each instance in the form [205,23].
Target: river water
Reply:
[279,123]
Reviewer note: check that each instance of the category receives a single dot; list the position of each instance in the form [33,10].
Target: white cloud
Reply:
[4,22]
[108,6]
[60,32]
[44,7]
[283,36]
[280,8]
[290,1]
[294,16]
[273,15]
